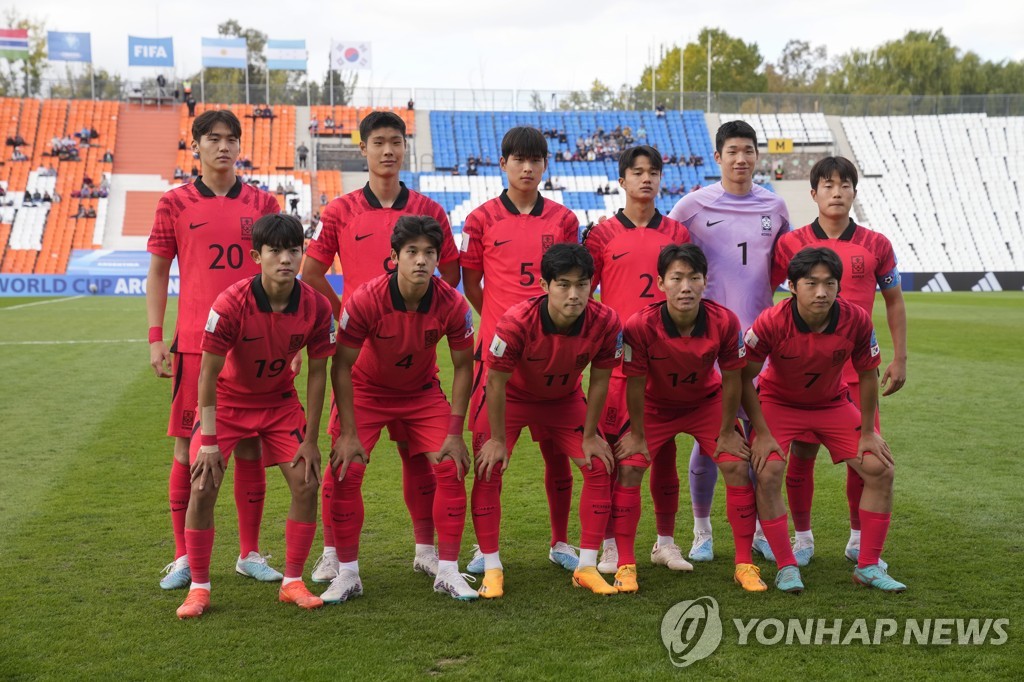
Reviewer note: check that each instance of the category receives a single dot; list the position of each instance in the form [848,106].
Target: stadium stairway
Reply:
[424,143]
[147,141]
[797,195]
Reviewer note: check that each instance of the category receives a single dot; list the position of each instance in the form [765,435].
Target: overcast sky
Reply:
[526,44]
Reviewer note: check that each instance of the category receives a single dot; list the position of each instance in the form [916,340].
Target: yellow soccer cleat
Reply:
[493,584]
[625,579]
[749,578]
[592,580]
[297,593]
[197,601]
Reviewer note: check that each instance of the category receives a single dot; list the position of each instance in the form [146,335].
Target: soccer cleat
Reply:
[788,580]
[625,579]
[874,576]
[609,562]
[670,556]
[591,579]
[749,578]
[853,554]
[297,593]
[255,566]
[325,569]
[449,581]
[494,583]
[197,601]
[425,561]
[803,551]
[703,548]
[345,586]
[476,564]
[564,555]
[762,547]
[179,574]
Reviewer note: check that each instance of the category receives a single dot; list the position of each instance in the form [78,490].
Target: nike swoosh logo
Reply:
[600,511]
[789,357]
[258,499]
[617,256]
[696,473]
[386,337]
[178,509]
[536,359]
[193,226]
[450,514]
[618,516]
[746,516]
[655,357]
[361,237]
[563,489]
[255,338]
[712,224]
[497,243]
[484,514]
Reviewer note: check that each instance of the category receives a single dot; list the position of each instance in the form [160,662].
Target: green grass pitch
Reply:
[84,531]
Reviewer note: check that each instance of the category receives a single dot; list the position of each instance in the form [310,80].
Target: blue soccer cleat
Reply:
[564,555]
[853,554]
[874,576]
[788,580]
[762,547]
[803,551]
[476,564]
[179,574]
[255,566]
[703,548]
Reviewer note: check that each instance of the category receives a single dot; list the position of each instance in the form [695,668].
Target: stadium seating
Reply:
[346,119]
[803,129]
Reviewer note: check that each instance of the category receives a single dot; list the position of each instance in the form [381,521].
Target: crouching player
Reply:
[809,339]
[386,372]
[246,390]
[534,366]
[672,386]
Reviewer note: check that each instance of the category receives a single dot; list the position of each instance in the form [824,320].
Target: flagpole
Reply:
[202,83]
[330,71]
[92,79]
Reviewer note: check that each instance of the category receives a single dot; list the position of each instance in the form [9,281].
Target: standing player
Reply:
[534,366]
[671,350]
[207,225]
[504,240]
[625,250]
[357,229]
[386,371]
[246,390]
[868,260]
[737,224]
[808,339]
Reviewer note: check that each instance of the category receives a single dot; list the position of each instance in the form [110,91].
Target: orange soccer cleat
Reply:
[297,593]
[749,578]
[592,580]
[197,601]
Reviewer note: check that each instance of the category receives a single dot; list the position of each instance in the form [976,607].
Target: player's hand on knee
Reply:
[455,447]
[160,359]
[493,457]
[597,447]
[873,443]
[346,450]
[630,445]
[731,443]
[762,449]
[208,467]
[309,454]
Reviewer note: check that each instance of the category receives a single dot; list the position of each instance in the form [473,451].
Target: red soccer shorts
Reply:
[184,394]
[423,421]
[395,429]
[615,418]
[837,428]
[559,420]
[477,407]
[280,429]
[808,437]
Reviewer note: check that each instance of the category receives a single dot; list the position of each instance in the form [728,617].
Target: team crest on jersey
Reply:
[188,418]
[295,343]
[766,226]
[247,228]
[743,347]
[611,416]
[857,266]
[430,338]
[582,359]
[874,345]
[469,325]
[618,346]
[546,241]
[838,357]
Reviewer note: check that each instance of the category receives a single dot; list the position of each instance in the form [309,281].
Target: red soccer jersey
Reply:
[507,247]
[211,237]
[399,354]
[806,368]
[260,344]
[681,369]
[545,364]
[357,229]
[868,260]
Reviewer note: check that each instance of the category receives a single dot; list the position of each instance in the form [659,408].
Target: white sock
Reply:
[609,543]
[805,536]
[331,553]
[424,548]
[349,566]
[666,540]
[701,524]
[287,581]
[758,533]
[854,537]
[492,561]
[199,586]
[442,565]
[588,557]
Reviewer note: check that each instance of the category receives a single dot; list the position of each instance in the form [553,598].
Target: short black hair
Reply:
[277,230]
[380,119]
[205,122]
[629,156]
[563,258]
[690,254]
[524,141]
[412,227]
[731,129]
[833,165]
[805,261]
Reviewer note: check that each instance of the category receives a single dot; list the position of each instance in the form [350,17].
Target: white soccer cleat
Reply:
[703,548]
[255,566]
[609,562]
[451,582]
[325,569]
[803,550]
[179,575]
[346,586]
[425,561]
[670,556]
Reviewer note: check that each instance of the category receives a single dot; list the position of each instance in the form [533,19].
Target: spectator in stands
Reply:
[608,189]
[280,188]
[695,187]
[455,169]
[323,198]
[47,199]
[548,185]
[56,197]
[94,134]
[178,173]
[779,171]
[81,211]
[90,212]
[600,190]
[257,111]
[105,183]
[411,105]
[471,166]
[190,102]
[641,133]
[659,110]
[194,172]
[15,140]
[267,111]
[289,188]
[36,197]
[487,161]
[17,155]
[181,144]
[314,125]
[556,184]
[329,122]
[294,203]
[562,137]
[303,152]
[108,157]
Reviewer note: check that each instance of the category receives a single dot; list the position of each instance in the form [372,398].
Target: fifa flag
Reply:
[351,55]
[150,51]
[286,55]
[227,53]
[68,47]
[13,43]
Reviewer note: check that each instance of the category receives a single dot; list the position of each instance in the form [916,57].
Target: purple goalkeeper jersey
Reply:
[738,235]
